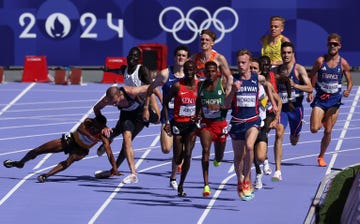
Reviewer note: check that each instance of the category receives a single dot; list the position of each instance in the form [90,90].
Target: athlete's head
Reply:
[100,121]
[287,52]
[181,54]
[333,43]
[210,33]
[211,70]
[113,95]
[182,48]
[95,125]
[134,56]
[207,39]
[190,69]
[265,64]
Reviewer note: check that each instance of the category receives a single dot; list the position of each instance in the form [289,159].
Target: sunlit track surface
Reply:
[32,114]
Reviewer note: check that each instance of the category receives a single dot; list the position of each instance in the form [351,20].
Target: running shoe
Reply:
[173,184]
[181,192]
[277,176]
[130,179]
[206,191]
[42,178]
[245,191]
[11,163]
[101,150]
[216,163]
[266,167]
[258,181]
[247,188]
[247,198]
[102,174]
[321,161]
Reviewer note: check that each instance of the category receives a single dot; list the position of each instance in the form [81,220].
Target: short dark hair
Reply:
[211,63]
[189,62]
[182,48]
[288,44]
[264,59]
[100,120]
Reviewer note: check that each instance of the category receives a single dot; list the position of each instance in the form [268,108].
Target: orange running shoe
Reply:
[321,161]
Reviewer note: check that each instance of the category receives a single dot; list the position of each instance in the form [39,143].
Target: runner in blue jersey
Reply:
[166,78]
[299,83]
[245,121]
[326,76]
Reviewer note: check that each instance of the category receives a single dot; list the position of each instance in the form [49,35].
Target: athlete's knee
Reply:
[314,128]
[260,158]
[165,150]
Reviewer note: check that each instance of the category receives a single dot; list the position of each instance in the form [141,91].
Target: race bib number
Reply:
[284,97]
[246,101]
[211,113]
[330,87]
[187,110]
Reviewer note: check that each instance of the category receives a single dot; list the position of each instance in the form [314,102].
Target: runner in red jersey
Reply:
[183,126]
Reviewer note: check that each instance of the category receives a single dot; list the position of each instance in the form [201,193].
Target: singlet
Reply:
[217,97]
[133,103]
[272,51]
[85,141]
[185,103]
[200,66]
[245,102]
[166,89]
[133,78]
[297,95]
[329,79]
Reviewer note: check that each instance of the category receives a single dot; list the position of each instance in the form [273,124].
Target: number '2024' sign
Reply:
[58,25]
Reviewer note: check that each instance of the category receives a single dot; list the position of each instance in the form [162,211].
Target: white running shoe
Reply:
[277,176]
[130,179]
[258,181]
[266,167]
[102,174]
[101,150]
[174,184]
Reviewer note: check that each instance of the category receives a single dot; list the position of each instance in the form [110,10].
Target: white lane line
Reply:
[117,189]
[343,132]
[214,198]
[17,98]
[21,182]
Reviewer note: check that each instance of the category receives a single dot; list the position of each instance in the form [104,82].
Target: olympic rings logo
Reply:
[191,24]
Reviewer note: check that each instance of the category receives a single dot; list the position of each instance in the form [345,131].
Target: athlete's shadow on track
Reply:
[58,178]
[149,197]
[297,164]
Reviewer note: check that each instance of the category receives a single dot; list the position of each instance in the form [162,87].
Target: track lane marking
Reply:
[17,98]
[343,132]
[117,188]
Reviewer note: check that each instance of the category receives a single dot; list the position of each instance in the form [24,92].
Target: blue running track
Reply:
[34,113]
